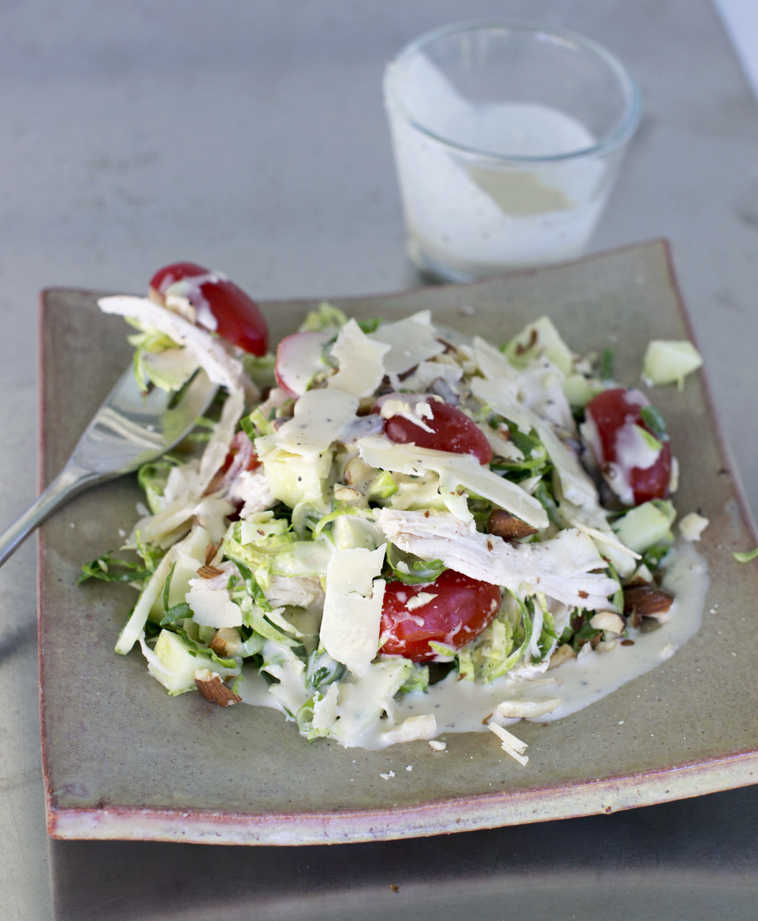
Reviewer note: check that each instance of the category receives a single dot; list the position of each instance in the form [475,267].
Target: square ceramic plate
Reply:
[123,760]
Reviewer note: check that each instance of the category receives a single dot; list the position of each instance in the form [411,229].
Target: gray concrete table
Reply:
[252,137]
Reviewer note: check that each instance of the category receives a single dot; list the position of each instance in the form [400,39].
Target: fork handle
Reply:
[71,480]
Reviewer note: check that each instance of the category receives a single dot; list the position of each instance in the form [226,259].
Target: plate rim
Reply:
[483,811]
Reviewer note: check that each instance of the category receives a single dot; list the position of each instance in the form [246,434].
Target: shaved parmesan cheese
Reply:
[411,341]
[510,743]
[419,600]
[353,606]
[501,395]
[212,607]
[454,470]
[360,360]
[491,361]
[320,417]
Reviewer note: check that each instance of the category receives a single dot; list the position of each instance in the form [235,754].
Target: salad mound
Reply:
[387,522]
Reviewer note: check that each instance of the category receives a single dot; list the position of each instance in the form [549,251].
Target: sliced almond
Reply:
[608,621]
[211,552]
[523,347]
[209,572]
[509,527]
[646,601]
[562,654]
[226,642]
[346,493]
[213,688]
[607,645]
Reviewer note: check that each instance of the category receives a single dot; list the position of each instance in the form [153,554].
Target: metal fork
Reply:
[129,429]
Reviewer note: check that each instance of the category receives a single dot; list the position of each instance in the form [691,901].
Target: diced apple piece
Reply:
[669,361]
[170,369]
[540,338]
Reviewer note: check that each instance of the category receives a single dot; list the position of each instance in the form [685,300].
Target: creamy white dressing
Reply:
[540,695]
[465,706]
[186,296]
[319,418]
[633,450]
[414,409]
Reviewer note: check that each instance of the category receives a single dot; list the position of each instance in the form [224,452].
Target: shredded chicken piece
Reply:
[561,568]
[294,591]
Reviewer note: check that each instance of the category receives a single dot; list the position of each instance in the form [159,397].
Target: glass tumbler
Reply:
[507,142]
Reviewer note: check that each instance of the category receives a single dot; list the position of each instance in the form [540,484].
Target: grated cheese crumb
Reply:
[419,600]
[387,775]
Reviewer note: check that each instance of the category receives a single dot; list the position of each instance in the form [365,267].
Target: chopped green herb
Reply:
[370,324]
[544,495]
[654,422]
[109,568]
[653,555]
[410,569]
[174,615]
[150,554]
[252,586]
[607,364]
[322,670]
